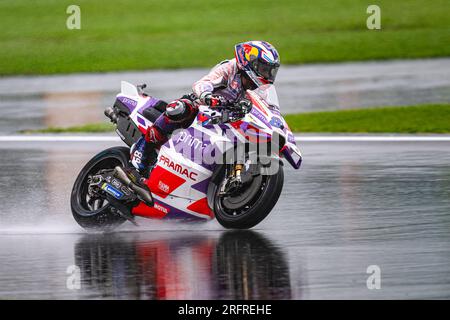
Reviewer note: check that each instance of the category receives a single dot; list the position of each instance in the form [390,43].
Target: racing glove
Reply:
[242,108]
[245,105]
[212,100]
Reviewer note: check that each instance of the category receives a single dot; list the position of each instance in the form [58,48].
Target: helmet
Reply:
[259,60]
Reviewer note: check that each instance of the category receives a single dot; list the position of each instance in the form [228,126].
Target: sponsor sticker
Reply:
[161,208]
[112,191]
[163,187]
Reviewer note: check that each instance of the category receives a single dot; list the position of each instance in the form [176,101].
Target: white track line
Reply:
[57,138]
[100,138]
[410,138]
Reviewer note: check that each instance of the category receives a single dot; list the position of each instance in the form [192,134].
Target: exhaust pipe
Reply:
[143,194]
[109,112]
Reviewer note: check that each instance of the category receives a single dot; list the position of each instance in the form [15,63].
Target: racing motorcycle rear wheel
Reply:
[252,203]
[95,213]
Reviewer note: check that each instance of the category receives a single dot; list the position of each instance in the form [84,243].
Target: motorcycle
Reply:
[226,165]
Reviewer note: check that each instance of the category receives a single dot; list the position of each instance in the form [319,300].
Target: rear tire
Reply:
[104,218]
[259,206]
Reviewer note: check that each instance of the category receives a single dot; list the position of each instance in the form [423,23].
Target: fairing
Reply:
[179,182]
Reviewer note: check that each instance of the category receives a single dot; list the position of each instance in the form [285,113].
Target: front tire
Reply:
[98,215]
[255,207]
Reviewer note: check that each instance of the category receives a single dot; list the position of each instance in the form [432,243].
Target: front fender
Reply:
[292,154]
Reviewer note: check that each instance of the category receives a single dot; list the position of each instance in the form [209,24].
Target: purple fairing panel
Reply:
[195,146]
[141,121]
[149,104]
[290,136]
[257,114]
[201,186]
[253,133]
[129,103]
[292,157]
[177,214]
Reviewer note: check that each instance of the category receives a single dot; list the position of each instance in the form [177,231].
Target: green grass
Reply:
[145,34]
[433,118]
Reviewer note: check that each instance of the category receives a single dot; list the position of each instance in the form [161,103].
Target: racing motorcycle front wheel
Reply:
[90,211]
[252,203]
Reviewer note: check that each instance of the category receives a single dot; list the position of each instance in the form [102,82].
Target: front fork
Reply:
[233,182]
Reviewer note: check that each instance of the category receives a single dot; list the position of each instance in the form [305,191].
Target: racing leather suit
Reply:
[223,80]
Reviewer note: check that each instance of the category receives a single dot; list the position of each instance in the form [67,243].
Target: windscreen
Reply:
[268,93]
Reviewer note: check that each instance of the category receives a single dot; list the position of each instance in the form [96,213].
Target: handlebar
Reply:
[229,113]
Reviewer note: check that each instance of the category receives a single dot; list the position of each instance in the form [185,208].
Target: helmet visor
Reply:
[265,69]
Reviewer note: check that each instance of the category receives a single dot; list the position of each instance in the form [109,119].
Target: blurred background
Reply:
[123,35]
[330,58]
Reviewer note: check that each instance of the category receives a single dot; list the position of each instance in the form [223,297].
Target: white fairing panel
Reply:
[178,174]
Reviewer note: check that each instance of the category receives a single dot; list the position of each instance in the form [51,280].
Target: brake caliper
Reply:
[233,183]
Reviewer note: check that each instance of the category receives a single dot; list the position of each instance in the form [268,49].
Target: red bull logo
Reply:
[251,52]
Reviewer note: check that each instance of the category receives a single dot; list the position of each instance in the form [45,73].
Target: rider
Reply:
[256,63]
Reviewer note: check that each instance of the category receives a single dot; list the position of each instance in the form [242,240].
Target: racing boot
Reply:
[143,154]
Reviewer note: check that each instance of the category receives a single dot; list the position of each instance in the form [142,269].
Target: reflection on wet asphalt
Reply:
[352,205]
[230,265]
[65,100]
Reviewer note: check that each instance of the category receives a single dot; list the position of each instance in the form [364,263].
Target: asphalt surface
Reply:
[351,206]
[64,100]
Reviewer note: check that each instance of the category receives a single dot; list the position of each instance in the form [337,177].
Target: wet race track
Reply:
[351,206]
